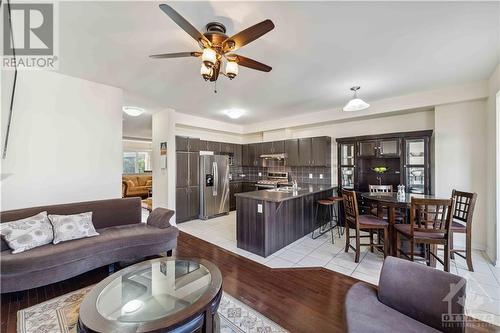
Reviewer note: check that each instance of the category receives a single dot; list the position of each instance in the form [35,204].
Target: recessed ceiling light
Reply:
[133,111]
[234,113]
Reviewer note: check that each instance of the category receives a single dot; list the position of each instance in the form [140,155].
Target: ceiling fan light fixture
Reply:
[232,69]
[356,104]
[209,57]
[206,72]
[133,111]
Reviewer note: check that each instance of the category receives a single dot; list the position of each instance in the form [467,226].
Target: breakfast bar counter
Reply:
[269,220]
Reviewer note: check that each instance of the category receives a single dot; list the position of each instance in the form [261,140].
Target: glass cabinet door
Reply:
[415,180]
[347,154]
[347,177]
[368,148]
[415,152]
[389,147]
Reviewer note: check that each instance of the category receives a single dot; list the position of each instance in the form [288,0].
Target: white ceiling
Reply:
[318,50]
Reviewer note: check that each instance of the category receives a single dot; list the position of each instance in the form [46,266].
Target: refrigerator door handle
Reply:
[216,179]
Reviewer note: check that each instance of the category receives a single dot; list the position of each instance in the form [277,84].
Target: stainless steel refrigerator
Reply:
[214,186]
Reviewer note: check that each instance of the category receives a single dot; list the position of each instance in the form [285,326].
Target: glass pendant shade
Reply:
[356,104]
[209,57]
[206,72]
[231,69]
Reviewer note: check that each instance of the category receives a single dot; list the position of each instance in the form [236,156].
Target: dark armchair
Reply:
[410,298]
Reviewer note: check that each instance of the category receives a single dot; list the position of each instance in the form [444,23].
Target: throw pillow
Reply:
[28,233]
[68,227]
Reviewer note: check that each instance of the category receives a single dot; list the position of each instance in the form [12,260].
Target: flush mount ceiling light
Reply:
[133,111]
[356,104]
[234,113]
[216,47]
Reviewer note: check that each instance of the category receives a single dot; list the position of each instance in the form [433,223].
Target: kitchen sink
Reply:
[282,189]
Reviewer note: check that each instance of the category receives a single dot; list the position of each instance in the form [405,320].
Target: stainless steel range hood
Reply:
[273,156]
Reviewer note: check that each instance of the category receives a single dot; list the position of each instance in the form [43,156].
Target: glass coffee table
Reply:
[166,294]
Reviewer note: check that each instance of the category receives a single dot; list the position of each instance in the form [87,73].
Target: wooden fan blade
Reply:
[250,63]
[184,24]
[176,55]
[248,35]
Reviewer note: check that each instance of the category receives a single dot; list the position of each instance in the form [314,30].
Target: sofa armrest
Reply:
[149,182]
[422,293]
[160,218]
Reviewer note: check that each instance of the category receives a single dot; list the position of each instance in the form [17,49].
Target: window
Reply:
[136,162]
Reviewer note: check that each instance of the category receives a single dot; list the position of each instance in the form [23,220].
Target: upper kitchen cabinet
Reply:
[390,147]
[181,143]
[187,144]
[226,148]
[238,155]
[195,145]
[321,151]
[267,148]
[305,154]
[214,146]
[278,147]
[292,152]
[315,151]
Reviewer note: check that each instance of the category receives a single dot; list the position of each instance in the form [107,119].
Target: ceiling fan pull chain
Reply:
[215,87]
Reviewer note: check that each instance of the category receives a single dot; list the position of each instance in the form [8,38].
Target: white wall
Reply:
[164,179]
[65,144]
[493,169]
[460,155]
[137,145]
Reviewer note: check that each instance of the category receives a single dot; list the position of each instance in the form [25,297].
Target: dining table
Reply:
[393,201]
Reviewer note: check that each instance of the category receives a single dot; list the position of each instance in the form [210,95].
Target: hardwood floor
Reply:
[299,299]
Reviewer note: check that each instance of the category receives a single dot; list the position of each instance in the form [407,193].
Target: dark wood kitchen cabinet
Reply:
[380,148]
[187,144]
[305,154]
[406,155]
[182,169]
[292,152]
[238,155]
[321,151]
[234,188]
[226,148]
[278,147]
[253,152]
[187,179]
[245,155]
[214,146]
[315,151]
[187,203]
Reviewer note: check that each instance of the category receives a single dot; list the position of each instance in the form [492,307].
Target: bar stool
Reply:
[327,207]
[336,212]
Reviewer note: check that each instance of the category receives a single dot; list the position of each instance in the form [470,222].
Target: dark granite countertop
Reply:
[275,196]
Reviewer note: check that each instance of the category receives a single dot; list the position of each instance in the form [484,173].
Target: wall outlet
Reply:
[259,208]
[310,176]
[320,176]
[260,174]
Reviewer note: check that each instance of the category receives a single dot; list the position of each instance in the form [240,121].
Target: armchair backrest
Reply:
[423,293]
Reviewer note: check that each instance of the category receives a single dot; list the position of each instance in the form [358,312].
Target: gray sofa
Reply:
[410,298]
[122,237]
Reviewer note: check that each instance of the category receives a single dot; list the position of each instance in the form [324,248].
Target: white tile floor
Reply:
[483,285]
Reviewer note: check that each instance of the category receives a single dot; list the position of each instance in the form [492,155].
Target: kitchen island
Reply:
[269,220]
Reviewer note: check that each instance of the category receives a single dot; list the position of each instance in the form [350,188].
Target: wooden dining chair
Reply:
[430,223]
[376,210]
[361,223]
[462,223]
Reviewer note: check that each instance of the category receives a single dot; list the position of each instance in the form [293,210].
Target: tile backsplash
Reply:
[320,175]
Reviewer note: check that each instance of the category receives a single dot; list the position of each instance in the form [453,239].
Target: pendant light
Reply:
[356,104]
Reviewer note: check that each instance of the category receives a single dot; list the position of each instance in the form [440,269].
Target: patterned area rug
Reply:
[60,315]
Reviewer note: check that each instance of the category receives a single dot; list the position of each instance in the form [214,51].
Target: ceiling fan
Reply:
[216,46]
